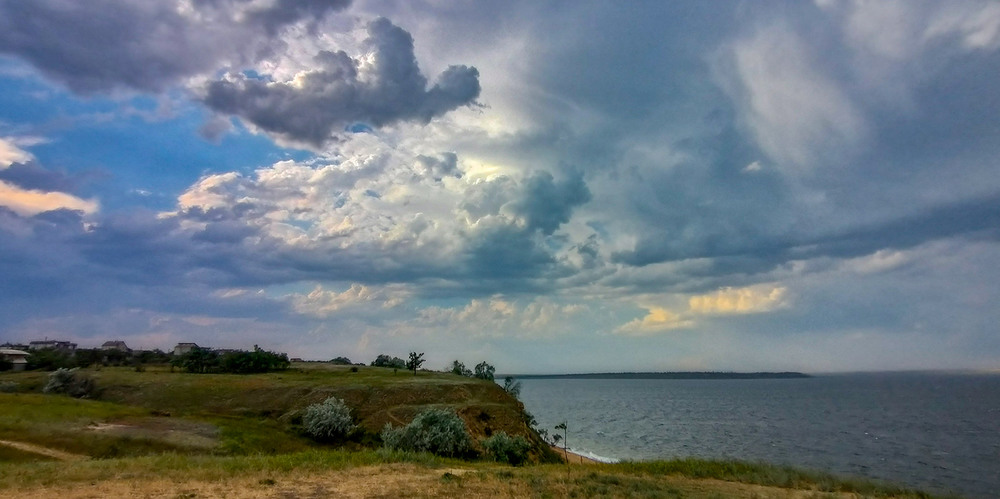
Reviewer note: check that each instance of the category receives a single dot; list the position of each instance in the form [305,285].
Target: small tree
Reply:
[416,360]
[512,387]
[460,369]
[565,439]
[485,371]
[328,420]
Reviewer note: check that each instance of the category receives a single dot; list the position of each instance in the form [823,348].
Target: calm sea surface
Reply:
[936,432]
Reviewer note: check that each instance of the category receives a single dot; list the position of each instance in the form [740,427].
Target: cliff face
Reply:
[376,396]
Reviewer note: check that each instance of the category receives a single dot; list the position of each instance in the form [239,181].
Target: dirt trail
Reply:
[45,451]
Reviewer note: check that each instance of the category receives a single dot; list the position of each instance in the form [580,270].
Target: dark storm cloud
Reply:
[101,45]
[342,91]
[548,204]
[970,219]
[30,175]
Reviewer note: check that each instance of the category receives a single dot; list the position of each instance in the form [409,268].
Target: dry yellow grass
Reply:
[407,480]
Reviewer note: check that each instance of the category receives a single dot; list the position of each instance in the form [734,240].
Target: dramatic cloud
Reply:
[383,87]
[660,185]
[127,44]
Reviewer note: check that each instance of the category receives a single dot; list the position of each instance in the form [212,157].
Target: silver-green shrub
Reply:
[70,382]
[438,431]
[504,448]
[328,420]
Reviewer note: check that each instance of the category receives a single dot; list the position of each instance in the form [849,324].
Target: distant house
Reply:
[183,348]
[116,345]
[55,344]
[17,357]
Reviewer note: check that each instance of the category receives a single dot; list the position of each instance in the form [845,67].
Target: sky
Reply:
[551,186]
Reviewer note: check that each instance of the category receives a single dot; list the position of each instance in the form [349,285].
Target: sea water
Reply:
[936,432]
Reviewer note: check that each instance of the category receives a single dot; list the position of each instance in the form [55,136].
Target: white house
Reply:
[17,357]
[116,345]
[183,348]
[56,344]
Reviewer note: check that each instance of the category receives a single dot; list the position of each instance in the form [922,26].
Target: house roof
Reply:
[11,351]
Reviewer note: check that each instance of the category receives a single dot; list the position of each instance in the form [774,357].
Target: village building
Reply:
[54,344]
[183,348]
[116,345]
[17,357]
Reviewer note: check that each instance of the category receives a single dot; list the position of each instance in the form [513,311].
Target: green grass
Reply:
[257,413]
[10,455]
[174,466]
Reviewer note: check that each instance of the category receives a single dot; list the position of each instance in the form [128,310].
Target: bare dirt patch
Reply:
[174,431]
[44,451]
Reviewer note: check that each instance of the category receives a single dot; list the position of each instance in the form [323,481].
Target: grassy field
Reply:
[368,473]
[170,434]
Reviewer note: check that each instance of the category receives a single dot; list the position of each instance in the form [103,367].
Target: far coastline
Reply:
[669,375]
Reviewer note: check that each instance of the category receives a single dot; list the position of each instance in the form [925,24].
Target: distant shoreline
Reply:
[667,375]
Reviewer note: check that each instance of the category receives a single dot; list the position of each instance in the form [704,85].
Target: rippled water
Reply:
[936,432]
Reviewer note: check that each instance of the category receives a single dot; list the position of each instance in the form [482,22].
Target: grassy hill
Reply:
[171,434]
[156,410]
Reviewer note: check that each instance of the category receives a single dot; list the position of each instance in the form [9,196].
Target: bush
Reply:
[438,431]
[70,382]
[328,420]
[5,365]
[506,449]
[9,387]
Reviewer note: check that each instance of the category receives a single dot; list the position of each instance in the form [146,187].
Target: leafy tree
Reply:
[460,369]
[416,360]
[257,361]
[341,361]
[155,356]
[198,360]
[50,359]
[114,357]
[384,360]
[512,387]
[484,371]
[6,365]
[86,357]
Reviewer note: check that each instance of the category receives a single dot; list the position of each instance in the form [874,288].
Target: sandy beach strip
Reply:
[574,458]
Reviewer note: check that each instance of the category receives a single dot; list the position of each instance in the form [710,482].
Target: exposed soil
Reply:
[44,451]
